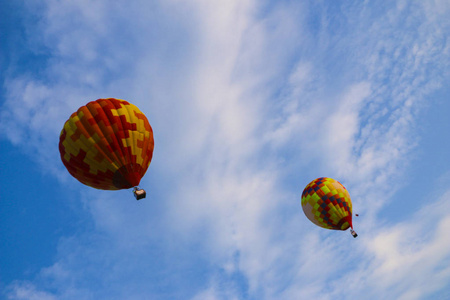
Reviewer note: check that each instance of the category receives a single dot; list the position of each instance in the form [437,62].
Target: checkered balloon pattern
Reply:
[107,144]
[326,203]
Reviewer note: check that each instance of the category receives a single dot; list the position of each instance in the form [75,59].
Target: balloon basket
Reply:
[139,193]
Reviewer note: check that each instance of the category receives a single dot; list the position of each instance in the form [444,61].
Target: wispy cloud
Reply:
[408,260]
[28,291]
[248,104]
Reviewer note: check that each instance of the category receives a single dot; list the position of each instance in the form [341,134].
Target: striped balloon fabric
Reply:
[326,203]
[107,144]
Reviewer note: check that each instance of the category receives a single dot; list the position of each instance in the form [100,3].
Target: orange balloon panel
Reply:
[107,144]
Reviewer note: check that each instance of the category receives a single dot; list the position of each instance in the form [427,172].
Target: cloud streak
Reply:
[248,104]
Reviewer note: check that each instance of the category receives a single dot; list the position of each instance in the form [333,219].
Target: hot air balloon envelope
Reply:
[107,144]
[326,203]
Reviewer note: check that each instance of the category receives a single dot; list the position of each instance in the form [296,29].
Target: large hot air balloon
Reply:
[326,203]
[107,144]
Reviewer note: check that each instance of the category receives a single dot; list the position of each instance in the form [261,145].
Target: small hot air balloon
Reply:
[326,203]
[107,144]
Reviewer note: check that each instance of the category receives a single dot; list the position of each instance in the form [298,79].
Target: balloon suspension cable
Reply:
[139,193]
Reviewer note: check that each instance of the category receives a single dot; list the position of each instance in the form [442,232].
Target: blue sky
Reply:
[249,101]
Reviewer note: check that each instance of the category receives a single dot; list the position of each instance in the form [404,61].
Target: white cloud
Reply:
[243,110]
[27,291]
[408,260]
